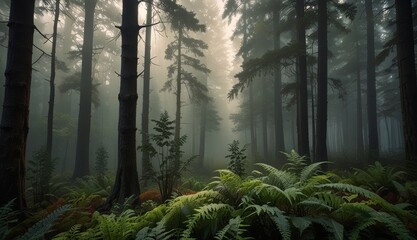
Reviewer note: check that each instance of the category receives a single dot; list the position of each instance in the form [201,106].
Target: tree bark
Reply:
[359,125]
[14,122]
[49,134]
[127,182]
[146,88]
[178,96]
[321,129]
[302,96]
[265,120]
[371,85]
[279,128]
[203,124]
[407,74]
[82,166]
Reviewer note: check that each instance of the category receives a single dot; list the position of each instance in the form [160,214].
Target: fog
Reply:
[247,114]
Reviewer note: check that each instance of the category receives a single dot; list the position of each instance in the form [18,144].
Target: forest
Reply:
[208,119]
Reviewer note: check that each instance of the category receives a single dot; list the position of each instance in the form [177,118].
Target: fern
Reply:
[38,230]
[157,233]
[73,233]
[7,216]
[275,214]
[207,219]
[332,227]
[234,230]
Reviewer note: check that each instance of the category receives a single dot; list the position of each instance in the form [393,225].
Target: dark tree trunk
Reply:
[178,95]
[146,89]
[279,128]
[321,129]
[14,122]
[302,96]
[82,166]
[265,120]
[127,182]
[359,127]
[252,125]
[202,147]
[49,135]
[407,73]
[371,87]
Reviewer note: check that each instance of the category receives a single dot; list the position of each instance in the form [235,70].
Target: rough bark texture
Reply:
[49,134]
[14,122]
[127,182]
[265,121]
[371,87]
[302,96]
[408,79]
[82,166]
[203,124]
[146,88]
[321,129]
[279,128]
[178,95]
[359,125]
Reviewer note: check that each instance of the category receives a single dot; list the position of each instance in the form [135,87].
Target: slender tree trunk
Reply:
[321,129]
[127,182]
[14,122]
[371,85]
[408,79]
[279,128]
[313,114]
[203,124]
[359,127]
[49,135]
[82,166]
[252,124]
[146,90]
[265,120]
[302,103]
[178,95]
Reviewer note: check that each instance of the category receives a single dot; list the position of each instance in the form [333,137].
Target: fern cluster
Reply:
[40,169]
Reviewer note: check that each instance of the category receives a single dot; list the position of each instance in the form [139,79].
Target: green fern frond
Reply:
[300,223]
[310,170]
[314,204]
[276,177]
[42,227]
[206,219]
[388,207]
[72,234]
[275,214]
[332,227]
[7,216]
[271,194]
[157,233]
[394,225]
[234,230]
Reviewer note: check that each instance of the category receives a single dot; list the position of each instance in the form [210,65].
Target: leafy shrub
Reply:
[40,170]
[166,152]
[102,157]
[237,158]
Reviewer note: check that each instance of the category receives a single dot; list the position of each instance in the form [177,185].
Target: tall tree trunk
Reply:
[252,124]
[371,85]
[203,124]
[265,120]
[321,129]
[14,122]
[408,79]
[82,166]
[178,96]
[359,126]
[279,128]
[49,135]
[302,96]
[146,89]
[127,182]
